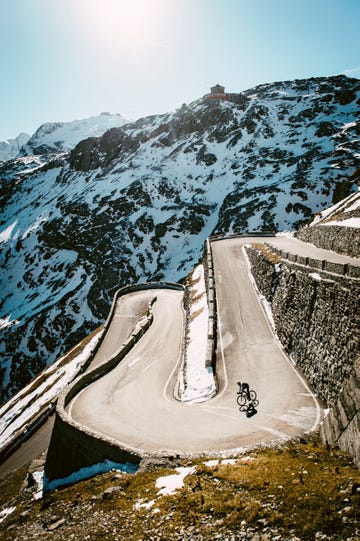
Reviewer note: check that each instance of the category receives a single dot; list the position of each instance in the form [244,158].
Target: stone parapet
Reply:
[351,271]
[120,293]
[73,445]
[212,311]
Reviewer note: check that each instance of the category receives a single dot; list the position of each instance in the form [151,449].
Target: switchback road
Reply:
[134,403]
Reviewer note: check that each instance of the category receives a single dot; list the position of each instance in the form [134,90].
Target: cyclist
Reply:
[244,388]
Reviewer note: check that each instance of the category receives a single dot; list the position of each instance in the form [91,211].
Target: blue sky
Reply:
[67,59]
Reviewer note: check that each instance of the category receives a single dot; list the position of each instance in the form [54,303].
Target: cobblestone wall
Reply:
[331,237]
[341,427]
[317,321]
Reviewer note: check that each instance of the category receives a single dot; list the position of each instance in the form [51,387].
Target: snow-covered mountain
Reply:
[138,203]
[60,136]
[346,213]
[10,149]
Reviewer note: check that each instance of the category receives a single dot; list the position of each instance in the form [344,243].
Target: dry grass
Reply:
[300,489]
[268,254]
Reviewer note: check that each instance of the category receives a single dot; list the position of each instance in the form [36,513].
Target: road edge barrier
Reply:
[347,270]
[74,446]
[210,358]
[21,435]
[211,291]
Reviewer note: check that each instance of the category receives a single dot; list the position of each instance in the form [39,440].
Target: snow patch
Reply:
[18,412]
[169,484]
[143,504]
[348,222]
[7,322]
[198,380]
[33,227]
[39,483]
[315,276]
[6,512]
[6,233]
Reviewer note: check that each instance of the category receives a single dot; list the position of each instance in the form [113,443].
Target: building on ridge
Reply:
[217,92]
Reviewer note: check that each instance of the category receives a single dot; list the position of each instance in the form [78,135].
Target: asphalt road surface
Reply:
[128,310]
[134,403]
[305,249]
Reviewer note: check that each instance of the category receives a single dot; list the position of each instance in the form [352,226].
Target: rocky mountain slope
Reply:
[59,136]
[264,495]
[10,149]
[137,204]
[326,230]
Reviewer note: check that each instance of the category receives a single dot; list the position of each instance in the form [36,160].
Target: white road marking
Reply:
[276,433]
[148,366]
[215,411]
[134,361]
[218,408]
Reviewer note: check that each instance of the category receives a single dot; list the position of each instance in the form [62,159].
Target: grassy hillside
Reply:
[299,491]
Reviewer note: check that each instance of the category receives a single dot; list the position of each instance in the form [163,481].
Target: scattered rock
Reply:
[110,492]
[56,525]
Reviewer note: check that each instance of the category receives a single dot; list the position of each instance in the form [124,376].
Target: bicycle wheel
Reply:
[253,395]
[241,399]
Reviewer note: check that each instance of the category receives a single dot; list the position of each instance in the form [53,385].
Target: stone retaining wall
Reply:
[341,427]
[317,320]
[332,237]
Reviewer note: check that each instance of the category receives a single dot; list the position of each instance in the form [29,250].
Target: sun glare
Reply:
[124,25]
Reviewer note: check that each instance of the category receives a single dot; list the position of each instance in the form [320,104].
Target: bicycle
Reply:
[246,399]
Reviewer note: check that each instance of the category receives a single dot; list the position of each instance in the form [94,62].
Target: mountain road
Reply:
[134,403]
